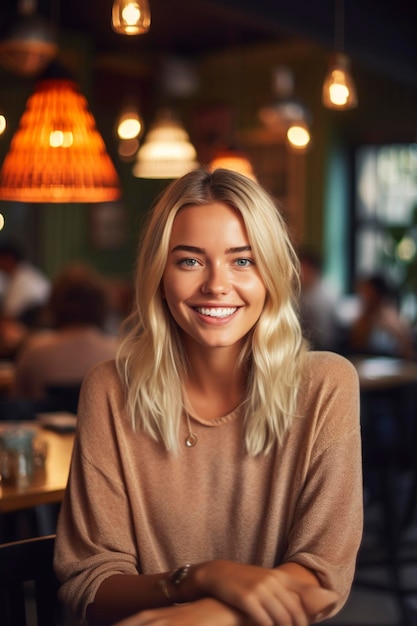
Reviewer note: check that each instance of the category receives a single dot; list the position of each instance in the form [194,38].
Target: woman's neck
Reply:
[214,385]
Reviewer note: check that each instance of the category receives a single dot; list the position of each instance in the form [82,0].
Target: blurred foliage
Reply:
[400,256]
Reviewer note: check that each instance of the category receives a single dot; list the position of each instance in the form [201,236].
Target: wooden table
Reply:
[48,483]
[384,372]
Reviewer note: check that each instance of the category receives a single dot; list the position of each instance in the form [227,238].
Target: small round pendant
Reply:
[191,440]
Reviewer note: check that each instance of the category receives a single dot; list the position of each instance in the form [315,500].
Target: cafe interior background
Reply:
[225,76]
[235,75]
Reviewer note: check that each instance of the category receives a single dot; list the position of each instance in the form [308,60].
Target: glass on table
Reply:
[17,455]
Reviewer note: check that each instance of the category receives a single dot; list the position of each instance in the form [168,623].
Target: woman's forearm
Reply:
[128,600]
[121,595]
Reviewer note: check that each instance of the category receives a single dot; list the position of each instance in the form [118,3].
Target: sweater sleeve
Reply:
[94,533]
[326,530]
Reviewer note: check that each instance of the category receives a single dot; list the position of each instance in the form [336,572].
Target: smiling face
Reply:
[211,284]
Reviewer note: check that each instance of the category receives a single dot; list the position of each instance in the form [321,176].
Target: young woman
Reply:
[216,475]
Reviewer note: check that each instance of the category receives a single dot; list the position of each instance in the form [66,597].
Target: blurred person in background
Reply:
[24,290]
[23,287]
[317,304]
[76,340]
[380,329]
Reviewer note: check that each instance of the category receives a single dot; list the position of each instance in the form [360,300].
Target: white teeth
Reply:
[217,312]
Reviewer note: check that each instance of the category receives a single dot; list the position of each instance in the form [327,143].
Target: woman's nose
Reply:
[216,282]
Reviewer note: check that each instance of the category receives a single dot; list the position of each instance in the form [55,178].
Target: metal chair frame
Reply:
[27,565]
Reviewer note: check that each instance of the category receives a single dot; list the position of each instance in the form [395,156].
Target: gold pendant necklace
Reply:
[191,439]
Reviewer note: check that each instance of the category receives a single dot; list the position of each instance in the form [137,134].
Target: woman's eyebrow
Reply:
[197,250]
[238,249]
[183,248]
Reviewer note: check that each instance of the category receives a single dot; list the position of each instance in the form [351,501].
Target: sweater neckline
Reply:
[218,421]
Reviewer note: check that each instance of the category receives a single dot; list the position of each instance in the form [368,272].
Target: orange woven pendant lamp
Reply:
[57,154]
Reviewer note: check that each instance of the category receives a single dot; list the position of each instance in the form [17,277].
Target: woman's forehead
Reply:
[208,222]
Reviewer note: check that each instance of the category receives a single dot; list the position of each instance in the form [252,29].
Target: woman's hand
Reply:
[269,597]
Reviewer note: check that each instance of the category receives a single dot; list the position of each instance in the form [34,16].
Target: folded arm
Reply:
[217,592]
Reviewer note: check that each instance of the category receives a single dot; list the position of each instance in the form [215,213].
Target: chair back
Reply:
[63,397]
[28,582]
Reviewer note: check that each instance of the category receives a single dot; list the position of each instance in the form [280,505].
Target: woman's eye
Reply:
[188,262]
[244,262]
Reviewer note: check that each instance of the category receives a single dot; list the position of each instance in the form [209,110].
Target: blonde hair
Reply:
[151,359]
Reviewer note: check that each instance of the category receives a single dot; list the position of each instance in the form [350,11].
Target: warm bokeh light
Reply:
[129,127]
[127,149]
[2,124]
[298,136]
[61,139]
[233,160]
[339,92]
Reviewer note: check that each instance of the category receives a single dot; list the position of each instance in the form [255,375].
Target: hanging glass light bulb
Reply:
[131,17]
[339,90]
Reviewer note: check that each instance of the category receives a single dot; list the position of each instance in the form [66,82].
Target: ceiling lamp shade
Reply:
[339,90]
[233,160]
[29,46]
[166,152]
[131,17]
[57,154]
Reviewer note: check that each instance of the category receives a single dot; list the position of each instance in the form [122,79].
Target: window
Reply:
[386,213]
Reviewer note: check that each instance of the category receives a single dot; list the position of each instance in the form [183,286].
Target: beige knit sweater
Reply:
[132,507]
